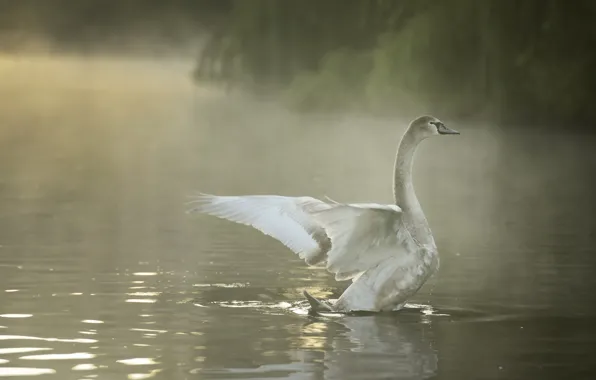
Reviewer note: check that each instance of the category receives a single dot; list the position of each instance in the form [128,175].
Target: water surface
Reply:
[103,275]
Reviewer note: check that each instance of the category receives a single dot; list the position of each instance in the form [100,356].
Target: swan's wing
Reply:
[362,236]
[287,219]
[351,238]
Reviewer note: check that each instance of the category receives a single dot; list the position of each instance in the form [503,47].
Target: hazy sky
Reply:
[74,23]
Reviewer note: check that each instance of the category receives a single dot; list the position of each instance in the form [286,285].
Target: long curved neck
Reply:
[403,191]
[403,187]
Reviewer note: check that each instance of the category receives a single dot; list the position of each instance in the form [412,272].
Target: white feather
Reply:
[361,235]
[286,219]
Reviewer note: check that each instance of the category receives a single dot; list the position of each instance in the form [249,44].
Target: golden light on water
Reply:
[23,371]
[138,361]
[74,355]
[16,315]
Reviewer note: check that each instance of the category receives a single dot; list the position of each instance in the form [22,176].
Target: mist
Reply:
[97,141]
[106,133]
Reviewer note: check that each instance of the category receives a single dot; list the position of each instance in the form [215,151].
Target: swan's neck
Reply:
[403,190]
[403,187]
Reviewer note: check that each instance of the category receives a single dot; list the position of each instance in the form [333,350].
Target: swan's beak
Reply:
[443,130]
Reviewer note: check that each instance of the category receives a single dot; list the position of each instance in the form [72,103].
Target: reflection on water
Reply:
[381,348]
[103,275]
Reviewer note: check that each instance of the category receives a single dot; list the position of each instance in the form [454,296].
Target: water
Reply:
[103,275]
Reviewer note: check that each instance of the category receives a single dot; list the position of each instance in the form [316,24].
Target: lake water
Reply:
[103,275]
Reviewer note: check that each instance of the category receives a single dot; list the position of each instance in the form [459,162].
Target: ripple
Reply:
[92,321]
[220,285]
[288,369]
[22,371]
[141,300]
[302,308]
[138,361]
[21,350]
[24,337]
[145,274]
[144,294]
[4,361]
[16,315]
[149,330]
[140,376]
[256,304]
[74,355]
[84,367]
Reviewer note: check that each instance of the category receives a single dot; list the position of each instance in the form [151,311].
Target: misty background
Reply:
[113,113]
[520,62]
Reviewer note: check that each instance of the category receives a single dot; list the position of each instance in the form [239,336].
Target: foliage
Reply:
[525,60]
[339,83]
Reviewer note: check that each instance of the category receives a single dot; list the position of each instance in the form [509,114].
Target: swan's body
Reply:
[388,251]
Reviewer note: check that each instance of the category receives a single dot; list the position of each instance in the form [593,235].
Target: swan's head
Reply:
[427,126]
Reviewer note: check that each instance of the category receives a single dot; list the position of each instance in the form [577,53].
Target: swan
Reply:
[387,250]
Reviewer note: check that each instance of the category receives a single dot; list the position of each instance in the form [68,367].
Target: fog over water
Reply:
[103,273]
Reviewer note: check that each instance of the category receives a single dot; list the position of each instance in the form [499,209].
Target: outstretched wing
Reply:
[286,219]
[362,236]
[351,238]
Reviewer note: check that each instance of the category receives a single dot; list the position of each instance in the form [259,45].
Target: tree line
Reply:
[517,60]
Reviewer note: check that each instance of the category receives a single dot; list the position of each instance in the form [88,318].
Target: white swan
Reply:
[388,251]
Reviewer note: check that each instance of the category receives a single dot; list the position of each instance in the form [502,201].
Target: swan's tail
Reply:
[316,306]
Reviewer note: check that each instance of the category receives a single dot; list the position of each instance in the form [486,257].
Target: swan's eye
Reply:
[438,125]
